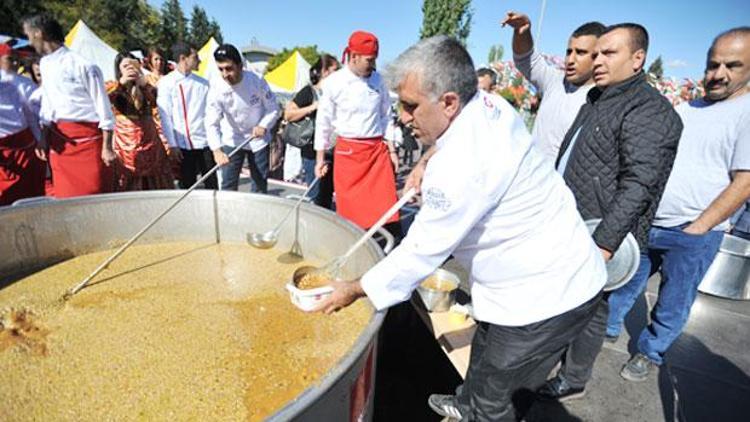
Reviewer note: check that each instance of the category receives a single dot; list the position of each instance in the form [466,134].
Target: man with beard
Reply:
[710,181]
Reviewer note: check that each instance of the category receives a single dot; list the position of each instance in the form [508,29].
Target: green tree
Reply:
[12,12]
[200,27]
[216,32]
[173,25]
[310,53]
[446,17]
[657,68]
[495,54]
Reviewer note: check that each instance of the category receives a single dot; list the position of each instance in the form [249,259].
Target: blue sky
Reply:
[680,31]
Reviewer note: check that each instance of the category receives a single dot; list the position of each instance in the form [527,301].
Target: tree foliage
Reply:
[123,24]
[200,26]
[495,54]
[446,17]
[310,53]
[657,68]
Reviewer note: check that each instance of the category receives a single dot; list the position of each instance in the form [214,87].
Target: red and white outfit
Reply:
[357,110]
[182,103]
[21,172]
[76,108]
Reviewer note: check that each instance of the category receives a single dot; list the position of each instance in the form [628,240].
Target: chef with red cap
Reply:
[355,106]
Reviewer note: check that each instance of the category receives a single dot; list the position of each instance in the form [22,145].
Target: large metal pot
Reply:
[33,236]
[729,274]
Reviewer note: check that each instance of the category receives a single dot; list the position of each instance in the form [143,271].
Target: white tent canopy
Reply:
[85,42]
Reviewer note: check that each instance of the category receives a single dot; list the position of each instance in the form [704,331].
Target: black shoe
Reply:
[637,368]
[444,405]
[611,339]
[558,389]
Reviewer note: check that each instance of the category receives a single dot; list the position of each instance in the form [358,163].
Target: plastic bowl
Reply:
[309,299]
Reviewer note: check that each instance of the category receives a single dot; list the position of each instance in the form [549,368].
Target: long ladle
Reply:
[333,268]
[137,236]
[268,239]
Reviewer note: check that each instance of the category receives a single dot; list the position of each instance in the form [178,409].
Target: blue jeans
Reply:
[308,165]
[258,162]
[683,260]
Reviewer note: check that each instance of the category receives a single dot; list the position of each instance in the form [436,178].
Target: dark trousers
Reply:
[258,163]
[507,362]
[324,198]
[195,162]
[583,350]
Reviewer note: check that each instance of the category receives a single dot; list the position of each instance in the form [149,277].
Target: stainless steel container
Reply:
[729,274]
[439,300]
[36,235]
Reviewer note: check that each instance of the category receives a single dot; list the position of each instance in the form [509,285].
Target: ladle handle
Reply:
[388,214]
[137,236]
[299,201]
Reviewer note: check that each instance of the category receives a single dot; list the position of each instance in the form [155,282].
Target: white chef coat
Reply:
[25,85]
[74,90]
[234,110]
[182,103]
[15,114]
[351,107]
[500,208]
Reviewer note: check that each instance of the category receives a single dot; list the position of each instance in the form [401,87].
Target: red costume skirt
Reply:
[21,172]
[142,163]
[76,160]
[363,180]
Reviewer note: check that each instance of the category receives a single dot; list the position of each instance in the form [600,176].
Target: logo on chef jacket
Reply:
[436,199]
[254,100]
[492,109]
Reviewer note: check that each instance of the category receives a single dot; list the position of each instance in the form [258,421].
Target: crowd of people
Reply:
[508,204]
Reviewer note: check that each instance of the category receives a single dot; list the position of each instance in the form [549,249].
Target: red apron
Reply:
[363,180]
[21,172]
[76,160]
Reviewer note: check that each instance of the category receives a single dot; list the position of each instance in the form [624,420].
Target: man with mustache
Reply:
[710,181]
[563,93]
[616,158]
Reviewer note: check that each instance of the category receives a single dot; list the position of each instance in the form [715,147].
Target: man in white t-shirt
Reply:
[563,92]
[709,182]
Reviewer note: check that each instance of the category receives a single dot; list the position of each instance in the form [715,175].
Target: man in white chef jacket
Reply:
[502,211]
[240,106]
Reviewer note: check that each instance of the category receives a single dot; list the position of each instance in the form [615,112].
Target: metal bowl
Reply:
[441,298]
[624,263]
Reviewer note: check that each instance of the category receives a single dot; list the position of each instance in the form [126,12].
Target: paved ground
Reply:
[707,377]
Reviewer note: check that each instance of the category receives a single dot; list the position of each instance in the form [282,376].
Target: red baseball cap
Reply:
[5,50]
[361,42]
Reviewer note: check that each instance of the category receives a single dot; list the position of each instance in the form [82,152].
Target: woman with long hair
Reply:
[305,104]
[142,162]
[156,64]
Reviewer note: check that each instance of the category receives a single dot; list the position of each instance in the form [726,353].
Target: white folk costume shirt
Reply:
[351,107]
[500,208]
[182,106]
[15,114]
[73,90]
[234,110]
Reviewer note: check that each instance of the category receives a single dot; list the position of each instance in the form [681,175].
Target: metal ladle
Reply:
[268,239]
[333,268]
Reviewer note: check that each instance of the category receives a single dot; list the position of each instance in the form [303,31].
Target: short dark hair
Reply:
[324,62]
[51,29]
[589,28]
[181,49]
[228,52]
[734,32]
[484,71]
[638,35]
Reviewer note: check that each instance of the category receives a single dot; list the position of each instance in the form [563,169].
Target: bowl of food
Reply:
[438,291]
[308,288]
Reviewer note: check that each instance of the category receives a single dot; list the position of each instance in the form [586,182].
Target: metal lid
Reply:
[624,263]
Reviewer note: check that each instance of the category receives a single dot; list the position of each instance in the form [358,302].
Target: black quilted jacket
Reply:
[622,158]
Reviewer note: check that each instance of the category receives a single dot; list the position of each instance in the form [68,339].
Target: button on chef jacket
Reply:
[181,100]
[351,107]
[73,90]
[234,110]
[504,213]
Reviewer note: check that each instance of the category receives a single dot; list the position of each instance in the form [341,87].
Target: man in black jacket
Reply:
[616,158]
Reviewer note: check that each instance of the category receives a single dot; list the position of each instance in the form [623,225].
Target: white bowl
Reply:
[309,299]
